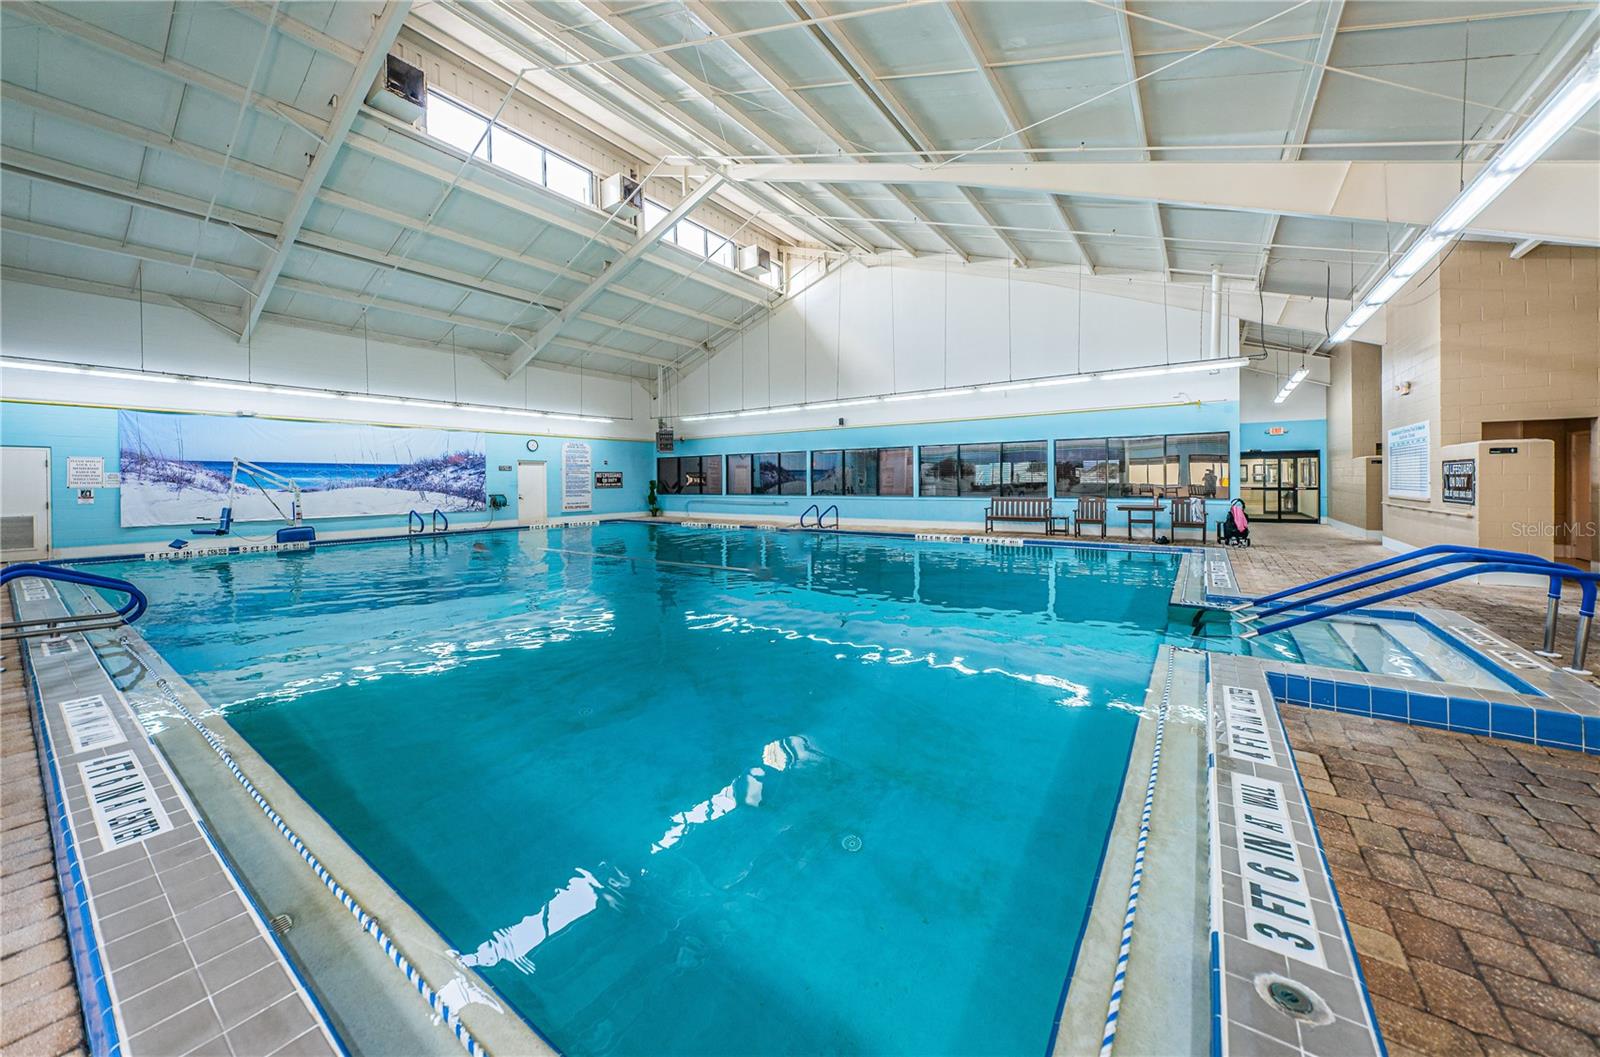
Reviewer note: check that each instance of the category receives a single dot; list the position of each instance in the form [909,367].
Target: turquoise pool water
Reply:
[676,791]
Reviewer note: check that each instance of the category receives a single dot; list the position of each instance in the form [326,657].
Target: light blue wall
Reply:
[1304,434]
[70,430]
[1217,417]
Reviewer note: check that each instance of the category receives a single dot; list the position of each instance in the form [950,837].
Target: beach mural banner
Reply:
[176,468]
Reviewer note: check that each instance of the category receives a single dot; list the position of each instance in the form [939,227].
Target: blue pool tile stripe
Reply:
[1538,720]
[368,923]
[1120,978]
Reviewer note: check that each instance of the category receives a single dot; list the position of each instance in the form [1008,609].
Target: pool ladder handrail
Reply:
[1477,559]
[421,523]
[132,610]
[820,513]
[438,516]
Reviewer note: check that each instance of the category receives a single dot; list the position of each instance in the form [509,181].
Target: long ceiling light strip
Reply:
[1569,102]
[292,390]
[1291,383]
[1194,366]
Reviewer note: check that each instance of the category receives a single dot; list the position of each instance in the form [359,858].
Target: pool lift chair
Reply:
[292,532]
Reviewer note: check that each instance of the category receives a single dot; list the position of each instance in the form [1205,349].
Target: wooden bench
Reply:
[1014,508]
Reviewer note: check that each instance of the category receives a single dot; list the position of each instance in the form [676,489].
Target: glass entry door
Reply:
[1281,485]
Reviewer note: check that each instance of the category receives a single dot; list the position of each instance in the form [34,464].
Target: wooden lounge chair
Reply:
[1189,513]
[1091,511]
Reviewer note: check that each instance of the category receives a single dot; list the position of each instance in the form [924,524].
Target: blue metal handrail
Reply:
[832,509]
[134,608]
[1422,552]
[422,523]
[1586,581]
[812,509]
[1539,566]
[438,516]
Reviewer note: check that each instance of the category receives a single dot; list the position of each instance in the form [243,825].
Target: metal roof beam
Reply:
[1013,118]
[1310,91]
[1555,200]
[150,59]
[373,57]
[1140,130]
[706,13]
[455,319]
[45,104]
[293,27]
[597,286]
[855,66]
[237,275]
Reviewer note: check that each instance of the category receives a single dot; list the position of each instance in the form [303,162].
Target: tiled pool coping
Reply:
[171,953]
[1277,928]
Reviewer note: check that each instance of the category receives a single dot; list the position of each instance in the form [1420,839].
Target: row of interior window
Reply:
[463,129]
[1185,463]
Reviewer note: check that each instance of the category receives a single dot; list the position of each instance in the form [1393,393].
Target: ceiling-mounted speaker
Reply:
[400,91]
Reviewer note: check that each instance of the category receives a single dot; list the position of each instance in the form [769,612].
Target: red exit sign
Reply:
[1276,431]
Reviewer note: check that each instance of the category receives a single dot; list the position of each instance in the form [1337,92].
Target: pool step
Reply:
[1379,651]
[1320,644]
[1449,665]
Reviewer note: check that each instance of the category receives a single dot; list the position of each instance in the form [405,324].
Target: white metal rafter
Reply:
[856,67]
[1142,133]
[373,57]
[551,329]
[775,81]
[1013,118]
[1310,90]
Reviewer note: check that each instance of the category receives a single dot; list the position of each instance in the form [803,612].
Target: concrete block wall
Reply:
[1516,508]
[1485,338]
[1518,338]
[1355,432]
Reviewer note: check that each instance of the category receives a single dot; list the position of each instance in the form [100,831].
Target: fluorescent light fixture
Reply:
[1570,101]
[1292,383]
[95,372]
[290,390]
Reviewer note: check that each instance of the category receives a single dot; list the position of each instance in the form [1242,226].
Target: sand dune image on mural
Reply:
[176,468]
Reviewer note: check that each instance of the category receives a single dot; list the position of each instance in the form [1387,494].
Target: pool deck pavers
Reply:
[1469,870]
[39,996]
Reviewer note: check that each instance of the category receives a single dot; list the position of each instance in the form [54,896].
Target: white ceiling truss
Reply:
[219,158]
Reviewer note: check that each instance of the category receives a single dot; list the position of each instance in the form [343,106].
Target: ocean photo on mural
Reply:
[176,468]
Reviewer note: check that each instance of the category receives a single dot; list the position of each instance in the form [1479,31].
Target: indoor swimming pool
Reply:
[679,790]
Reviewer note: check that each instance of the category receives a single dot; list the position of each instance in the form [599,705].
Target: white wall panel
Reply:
[38,322]
[918,327]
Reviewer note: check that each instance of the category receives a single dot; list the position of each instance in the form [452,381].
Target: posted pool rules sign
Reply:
[577,484]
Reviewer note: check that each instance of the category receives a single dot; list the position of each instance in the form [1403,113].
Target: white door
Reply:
[24,503]
[532,500]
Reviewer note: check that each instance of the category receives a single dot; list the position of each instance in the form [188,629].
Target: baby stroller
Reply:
[1234,528]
